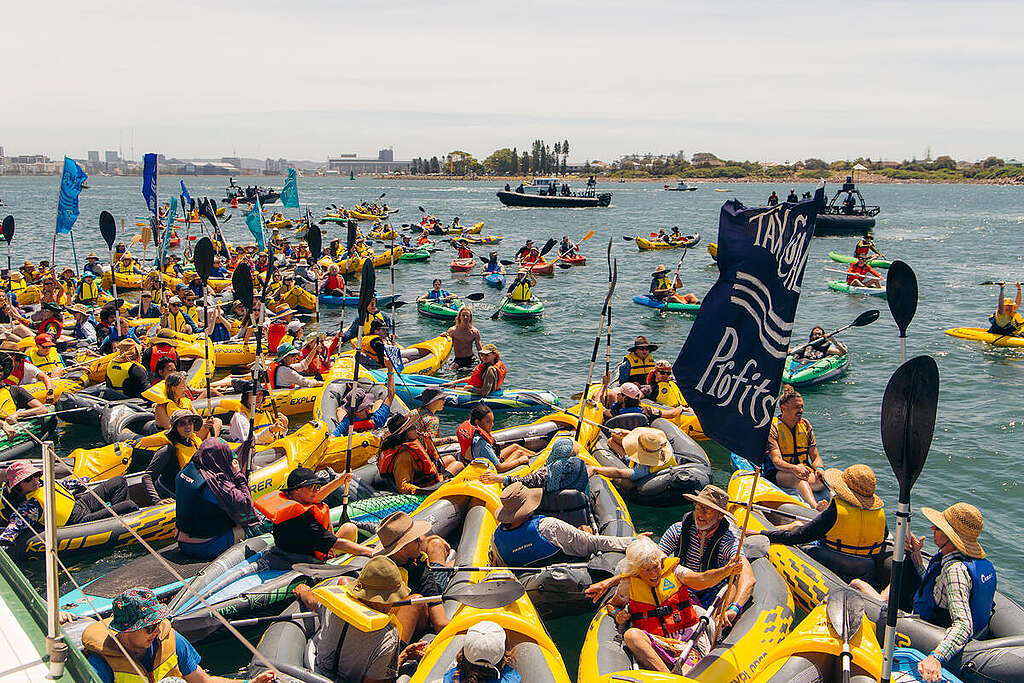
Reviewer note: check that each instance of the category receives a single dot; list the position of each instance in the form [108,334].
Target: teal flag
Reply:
[67,199]
[290,193]
[254,219]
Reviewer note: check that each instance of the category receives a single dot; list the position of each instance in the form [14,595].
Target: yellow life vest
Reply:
[192,312]
[339,600]
[98,639]
[157,395]
[856,531]
[669,394]
[369,320]
[639,367]
[368,350]
[185,451]
[63,502]
[794,447]
[286,339]
[88,291]
[7,405]
[47,362]
[522,292]
[117,373]
[661,282]
[176,321]
[1013,322]
[18,285]
[124,266]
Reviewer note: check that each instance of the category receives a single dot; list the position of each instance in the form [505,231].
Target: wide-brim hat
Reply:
[637,344]
[363,400]
[430,395]
[286,350]
[11,348]
[301,477]
[647,446]
[78,308]
[136,609]
[713,497]
[660,269]
[962,524]
[397,530]
[20,470]
[380,580]
[518,503]
[855,485]
[181,415]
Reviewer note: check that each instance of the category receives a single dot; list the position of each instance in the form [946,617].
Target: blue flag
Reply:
[290,193]
[149,177]
[254,219]
[67,200]
[730,368]
[187,196]
[394,354]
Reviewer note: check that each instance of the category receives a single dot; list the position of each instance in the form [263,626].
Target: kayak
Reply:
[840,286]
[463,265]
[983,335]
[440,310]
[843,258]
[644,244]
[490,239]
[713,251]
[422,358]
[809,373]
[522,310]
[382,235]
[575,260]
[328,300]
[647,300]
[415,255]
[409,387]
[494,280]
[385,259]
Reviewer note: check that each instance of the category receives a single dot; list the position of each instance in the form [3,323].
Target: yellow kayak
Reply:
[423,358]
[713,251]
[644,244]
[383,235]
[387,258]
[983,335]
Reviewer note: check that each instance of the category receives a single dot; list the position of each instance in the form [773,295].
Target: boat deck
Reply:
[22,644]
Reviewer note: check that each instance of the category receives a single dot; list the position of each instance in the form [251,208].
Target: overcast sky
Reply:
[313,78]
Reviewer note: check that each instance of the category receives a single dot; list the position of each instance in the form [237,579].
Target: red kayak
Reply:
[539,268]
[463,265]
[575,260]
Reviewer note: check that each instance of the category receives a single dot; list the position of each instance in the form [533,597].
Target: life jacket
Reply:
[176,321]
[369,352]
[97,638]
[639,367]
[190,311]
[1012,325]
[662,610]
[424,469]
[983,591]
[51,326]
[857,271]
[14,379]
[220,334]
[369,320]
[195,515]
[862,249]
[668,393]
[47,362]
[87,292]
[660,282]
[465,433]
[335,281]
[63,503]
[184,451]
[856,531]
[279,508]
[792,445]
[531,256]
[477,378]
[118,373]
[710,546]
[524,546]
[464,252]
[158,351]
[522,291]
[260,418]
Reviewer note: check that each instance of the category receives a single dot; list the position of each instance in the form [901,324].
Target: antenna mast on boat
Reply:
[56,648]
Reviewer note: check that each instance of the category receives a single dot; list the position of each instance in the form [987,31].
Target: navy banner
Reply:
[149,178]
[730,368]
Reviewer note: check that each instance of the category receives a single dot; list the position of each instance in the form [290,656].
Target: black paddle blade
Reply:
[202,258]
[241,284]
[315,238]
[901,293]
[206,210]
[908,419]
[351,237]
[6,366]
[366,287]
[549,246]
[421,209]
[490,594]
[475,296]
[9,228]
[108,229]
[865,318]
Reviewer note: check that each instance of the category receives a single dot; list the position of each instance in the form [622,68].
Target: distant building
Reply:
[350,163]
[275,166]
[386,155]
[216,168]
[1009,162]
[111,157]
[94,156]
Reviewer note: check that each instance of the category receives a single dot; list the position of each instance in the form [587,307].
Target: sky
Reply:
[308,79]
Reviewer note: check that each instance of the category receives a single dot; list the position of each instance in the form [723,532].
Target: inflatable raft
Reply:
[675,306]
[843,258]
[644,244]
[522,310]
[841,286]
[440,310]
[409,388]
[809,373]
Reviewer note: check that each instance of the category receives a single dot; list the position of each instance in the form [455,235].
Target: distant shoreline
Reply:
[862,177]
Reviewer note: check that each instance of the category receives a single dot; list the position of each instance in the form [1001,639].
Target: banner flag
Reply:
[730,368]
[394,354]
[254,219]
[149,178]
[67,199]
[187,206]
[290,193]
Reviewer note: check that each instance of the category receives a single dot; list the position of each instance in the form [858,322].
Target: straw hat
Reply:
[660,270]
[641,342]
[397,530]
[855,485]
[380,581]
[518,503]
[647,446]
[962,524]
[712,496]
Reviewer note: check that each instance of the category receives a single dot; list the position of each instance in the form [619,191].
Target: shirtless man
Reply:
[465,337]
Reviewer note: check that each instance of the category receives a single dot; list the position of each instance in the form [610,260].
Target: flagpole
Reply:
[73,252]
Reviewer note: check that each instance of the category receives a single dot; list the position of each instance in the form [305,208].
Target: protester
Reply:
[487,377]
[465,337]
[476,441]
[791,455]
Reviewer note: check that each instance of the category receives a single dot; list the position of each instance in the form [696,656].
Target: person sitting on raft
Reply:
[145,308]
[660,386]
[1006,320]
[23,372]
[367,413]
[956,589]
[647,447]
[186,433]
[628,399]
[87,292]
[173,318]
[476,441]
[84,329]
[93,265]
[522,288]
[655,606]
[219,271]
[526,539]
[705,542]
[138,638]
[374,354]
[487,377]
[853,524]
[333,283]
[819,346]
[44,355]
[861,274]
[287,370]
[267,428]
[663,289]
[302,520]
[168,397]
[372,314]
[493,265]
[21,508]
[405,461]
[791,456]
[567,249]
[218,330]
[465,336]
[865,247]
[436,293]
[118,332]
[638,363]
[484,656]
[125,373]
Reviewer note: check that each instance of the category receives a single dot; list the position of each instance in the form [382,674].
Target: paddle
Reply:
[327,571]
[702,625]
[986,282]
[597,341]
[537,398]
[366,289]
[908,422]
[108,228]
[845,612]
[865,318]
[203,261]
[314,240]
[8,232]
[901,293]
[520,276]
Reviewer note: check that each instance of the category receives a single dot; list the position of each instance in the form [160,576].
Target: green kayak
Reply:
[415,255]
[439,310]
[843,258]
[805,373]
[522,310]
[840,286]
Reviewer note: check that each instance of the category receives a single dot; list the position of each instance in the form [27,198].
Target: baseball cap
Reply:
[484,644]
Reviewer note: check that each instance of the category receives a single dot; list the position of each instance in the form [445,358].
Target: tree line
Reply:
[542,159]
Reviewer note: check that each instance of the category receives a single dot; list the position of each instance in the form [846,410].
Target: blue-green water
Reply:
[953,235]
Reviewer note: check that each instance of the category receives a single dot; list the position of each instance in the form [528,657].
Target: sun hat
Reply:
[11,348]
[380,580]
[92,254]
[488,348]
[44,340]
[484,643]
[285,350]
[855,485]
[174,301]
[301,477]
[430,395]
[647,446]
[182,415]
[294,326]
[561,448]
[962,524]
[397,530]
[630,390]
[78,308]
[20,470]
[712,496]
[136,609]
[87,274]
[641,342]
[659,270]
[363,400]
[517,503]
[662,364]
[50,306]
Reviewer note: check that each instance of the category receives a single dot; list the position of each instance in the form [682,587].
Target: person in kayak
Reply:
[628,399]
[484,655]
[522,289]
[819,346]
[84,329]
[525,249]
[853,525]
[186,433]
[372,313]
[463,246]
[1006,320]
[287,371]
[145,308]
[333,283]
[173,318]
[861,274]
[138,639]
[475,441]
[93,265]
[955,589]
[405,462]
[488,376]
[493,265]
[567,249]
[44,355]
[267,428]
[791,456]
[638,362]
[865,247]
[24,372]
[664,289]
[368,413]
[437,293]
[125,372]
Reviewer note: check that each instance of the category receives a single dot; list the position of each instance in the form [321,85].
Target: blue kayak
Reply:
[409,388]
[495,280]
[327,300]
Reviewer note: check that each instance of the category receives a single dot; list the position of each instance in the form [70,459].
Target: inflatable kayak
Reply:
[422,358]
[409,388]
[843,258]
[841,286]
[644,244]
[463,265]
[983,335]
[674,306]
[496,280]
[440,310]
[541,267]
[809,373]
[21,444]
[522,310]
[713,251]
[415,255]
[328,300]
[365,445]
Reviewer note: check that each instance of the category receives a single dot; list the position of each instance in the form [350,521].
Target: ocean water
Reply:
[954,236]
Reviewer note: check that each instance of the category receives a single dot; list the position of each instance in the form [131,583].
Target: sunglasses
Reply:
[150,630]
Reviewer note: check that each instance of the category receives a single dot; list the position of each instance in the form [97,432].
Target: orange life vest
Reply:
[477,378]
[279,508]
[664,609]
[335,281]
[424,470]
[465,433]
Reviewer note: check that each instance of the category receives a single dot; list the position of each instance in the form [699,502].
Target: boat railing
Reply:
[863,210]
